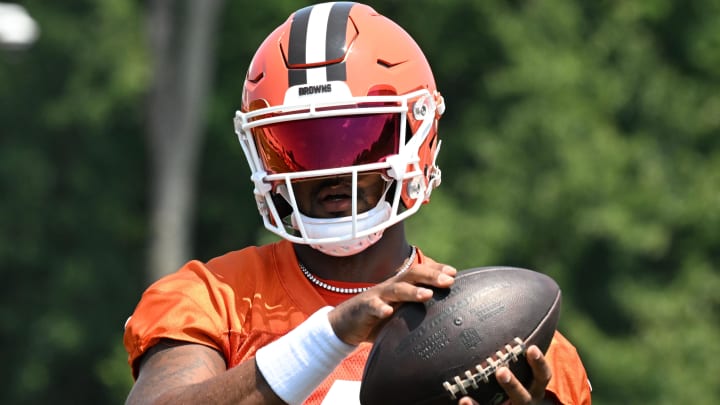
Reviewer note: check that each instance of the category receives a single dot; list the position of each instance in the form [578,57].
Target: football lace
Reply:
[460,384]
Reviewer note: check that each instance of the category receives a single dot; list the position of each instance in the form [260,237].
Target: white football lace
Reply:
[460,384]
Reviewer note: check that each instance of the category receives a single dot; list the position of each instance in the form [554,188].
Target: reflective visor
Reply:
[328,142]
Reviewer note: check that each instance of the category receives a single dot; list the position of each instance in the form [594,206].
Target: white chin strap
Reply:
[326,228]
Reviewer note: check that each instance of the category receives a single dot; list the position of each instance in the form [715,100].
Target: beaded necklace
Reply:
[406,265]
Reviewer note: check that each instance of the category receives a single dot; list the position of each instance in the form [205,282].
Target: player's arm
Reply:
[192,373]
[175,372]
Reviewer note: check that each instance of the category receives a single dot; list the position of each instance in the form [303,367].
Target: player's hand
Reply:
[516,392]
[359,318]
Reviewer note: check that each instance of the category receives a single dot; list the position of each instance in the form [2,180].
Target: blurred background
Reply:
[581,139]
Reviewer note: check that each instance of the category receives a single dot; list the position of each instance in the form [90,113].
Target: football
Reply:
[449,347]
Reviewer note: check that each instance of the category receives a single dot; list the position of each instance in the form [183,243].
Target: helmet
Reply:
[339,90]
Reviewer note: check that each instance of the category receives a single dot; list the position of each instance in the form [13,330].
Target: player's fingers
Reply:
[403,291]
[356,320]
[430,273]
[467,401]
[445,268]
[541,372]
[377,308]
[512,386]
[414,285]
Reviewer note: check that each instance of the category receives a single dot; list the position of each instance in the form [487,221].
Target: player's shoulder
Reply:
[204,274]
[561,343]
[242,271]
[250,257]
[562,353]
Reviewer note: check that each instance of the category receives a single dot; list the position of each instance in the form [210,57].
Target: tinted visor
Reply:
[328,142]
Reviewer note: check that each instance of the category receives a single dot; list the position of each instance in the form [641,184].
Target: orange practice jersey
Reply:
[244,300]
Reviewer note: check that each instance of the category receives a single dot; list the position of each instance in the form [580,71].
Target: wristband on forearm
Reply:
[298,362]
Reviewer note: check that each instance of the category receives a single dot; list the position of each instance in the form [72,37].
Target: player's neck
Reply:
[373,265]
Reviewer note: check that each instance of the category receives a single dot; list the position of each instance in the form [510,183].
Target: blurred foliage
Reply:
[582,139]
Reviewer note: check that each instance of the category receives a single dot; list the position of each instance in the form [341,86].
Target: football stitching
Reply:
[471,379]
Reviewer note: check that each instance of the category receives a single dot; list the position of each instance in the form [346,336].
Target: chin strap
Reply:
[321,228]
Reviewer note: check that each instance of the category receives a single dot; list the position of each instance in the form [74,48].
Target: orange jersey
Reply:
[241,301]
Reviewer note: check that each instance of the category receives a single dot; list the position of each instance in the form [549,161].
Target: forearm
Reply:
[286,370]
[187,373]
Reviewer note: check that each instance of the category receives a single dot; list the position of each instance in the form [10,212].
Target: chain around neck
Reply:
[406,265]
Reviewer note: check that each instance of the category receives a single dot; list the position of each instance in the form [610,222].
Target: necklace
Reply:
[406,265]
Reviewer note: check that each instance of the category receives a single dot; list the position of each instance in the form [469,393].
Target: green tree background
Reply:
[582,139]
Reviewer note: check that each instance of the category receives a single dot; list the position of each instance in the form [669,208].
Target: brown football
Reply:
[450,346]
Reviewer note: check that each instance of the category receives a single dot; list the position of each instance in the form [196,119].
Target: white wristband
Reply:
[298,362]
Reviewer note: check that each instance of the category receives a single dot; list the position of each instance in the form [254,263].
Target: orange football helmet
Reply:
[338,90]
